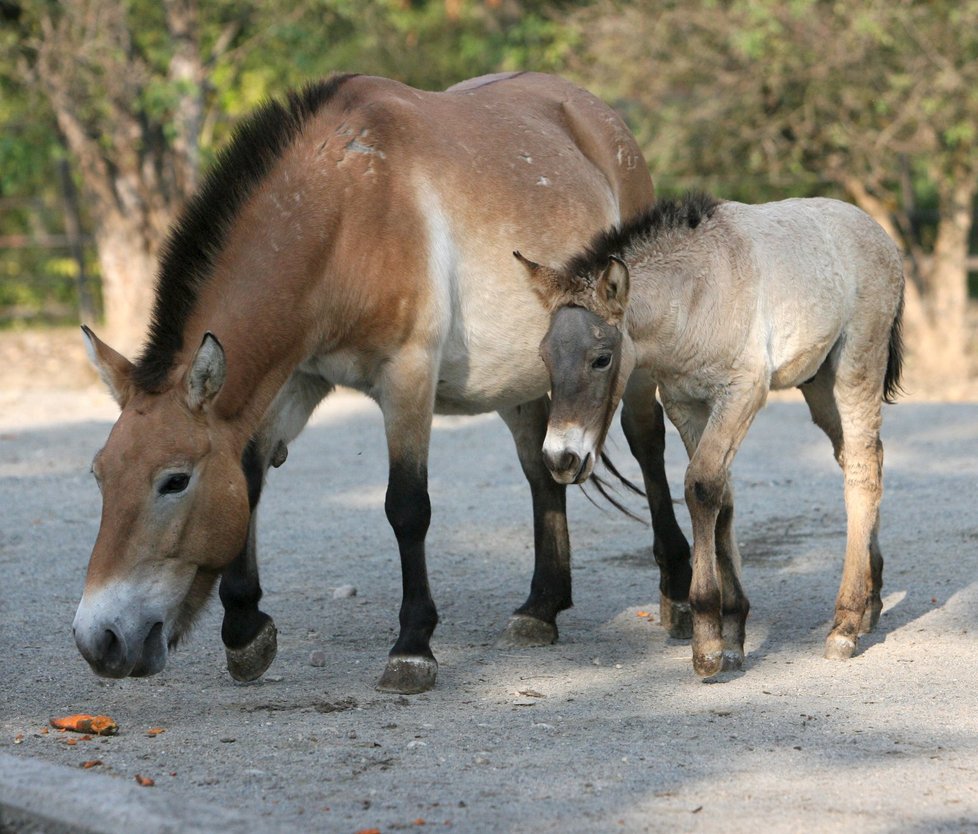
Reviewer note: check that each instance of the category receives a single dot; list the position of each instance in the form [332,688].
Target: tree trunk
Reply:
[128,266]
[943,349]
[936,303]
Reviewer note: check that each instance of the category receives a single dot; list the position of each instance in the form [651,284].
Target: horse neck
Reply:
[659,287]
[261,299]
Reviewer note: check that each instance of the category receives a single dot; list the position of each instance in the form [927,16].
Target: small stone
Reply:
[317,658]
[344,591]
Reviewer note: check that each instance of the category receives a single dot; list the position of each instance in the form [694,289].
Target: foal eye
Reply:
[174,484]
[603,361]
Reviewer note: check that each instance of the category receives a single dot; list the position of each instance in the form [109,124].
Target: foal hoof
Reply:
[408,675]
[676,617]
[250,662]
[839,647]
[733,660]
[524,632]
[709,664]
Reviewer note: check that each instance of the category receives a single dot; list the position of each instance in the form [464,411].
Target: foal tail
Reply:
[894,359]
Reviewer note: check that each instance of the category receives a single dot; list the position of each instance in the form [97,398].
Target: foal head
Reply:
[589,358]
[174,513]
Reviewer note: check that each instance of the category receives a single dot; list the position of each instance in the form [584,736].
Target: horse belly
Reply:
[490,375]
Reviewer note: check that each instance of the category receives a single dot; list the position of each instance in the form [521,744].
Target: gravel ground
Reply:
[607,730]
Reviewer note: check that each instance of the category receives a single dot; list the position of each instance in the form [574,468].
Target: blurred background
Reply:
[111,109]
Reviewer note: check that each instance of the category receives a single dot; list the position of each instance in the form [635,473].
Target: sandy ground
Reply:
[607,730]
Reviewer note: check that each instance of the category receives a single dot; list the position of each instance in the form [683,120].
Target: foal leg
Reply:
[407,401]
[713,442]
[535,622]
[820,397]
[735,605]
[645,429]
[859,406]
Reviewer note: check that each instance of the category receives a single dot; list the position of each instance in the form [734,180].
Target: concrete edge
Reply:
[36,796]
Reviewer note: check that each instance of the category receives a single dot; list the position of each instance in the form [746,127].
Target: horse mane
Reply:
[685,212]
[197,237]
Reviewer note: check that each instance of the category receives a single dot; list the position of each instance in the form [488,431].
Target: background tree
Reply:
[875,101]
[140,92]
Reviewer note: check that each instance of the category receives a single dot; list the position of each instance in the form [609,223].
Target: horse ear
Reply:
[207,373]
[544,280]
[612,287]
[114,369]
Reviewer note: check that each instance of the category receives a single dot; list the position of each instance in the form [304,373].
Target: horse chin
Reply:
[587,467]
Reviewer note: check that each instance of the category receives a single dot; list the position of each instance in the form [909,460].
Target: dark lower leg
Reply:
[734,603]
[645,432]
[535,622]
[247,632]
[411,667]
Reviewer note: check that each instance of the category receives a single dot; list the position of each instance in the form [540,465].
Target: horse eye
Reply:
[603,361]
[174,484]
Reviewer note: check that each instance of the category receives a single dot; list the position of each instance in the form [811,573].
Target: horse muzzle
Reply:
[118,646]
[570,459]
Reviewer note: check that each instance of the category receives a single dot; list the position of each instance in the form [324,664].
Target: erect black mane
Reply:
[188,255]
[687,211]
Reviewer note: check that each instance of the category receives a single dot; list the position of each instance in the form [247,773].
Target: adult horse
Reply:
[718,303]
[358,234]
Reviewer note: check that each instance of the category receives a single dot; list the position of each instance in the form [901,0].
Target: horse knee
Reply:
[706,490]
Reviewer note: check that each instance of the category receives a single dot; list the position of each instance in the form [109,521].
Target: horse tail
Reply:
[894,359]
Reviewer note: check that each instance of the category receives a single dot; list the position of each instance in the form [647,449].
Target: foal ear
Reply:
[114,369]
[207,373]
[545,281]
[612,287]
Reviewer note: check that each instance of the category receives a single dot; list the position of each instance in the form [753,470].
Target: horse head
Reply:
[589,357]
[175,512]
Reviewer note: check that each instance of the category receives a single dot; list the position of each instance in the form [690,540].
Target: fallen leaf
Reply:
[19,738]
[100,725]
[44,731]
[420,821]
[155,731]
[144,781]
[91,763]
[642,614]
[71,741]
[531,693]
[368,831]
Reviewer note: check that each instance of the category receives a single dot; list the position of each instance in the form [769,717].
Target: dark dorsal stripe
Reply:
[197,237]
[686,212]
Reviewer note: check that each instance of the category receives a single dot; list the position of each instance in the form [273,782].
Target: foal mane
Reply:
[685,212]
[197,237]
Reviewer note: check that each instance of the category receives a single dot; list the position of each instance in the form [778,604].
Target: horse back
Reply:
[436,191]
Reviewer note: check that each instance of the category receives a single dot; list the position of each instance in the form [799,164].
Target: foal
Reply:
[718,303]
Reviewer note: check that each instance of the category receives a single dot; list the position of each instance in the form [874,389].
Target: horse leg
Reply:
[819,395]
[645,429]
[713,440]
[249,634]
[535,622]
[735,604]
[859,407]
[407,402]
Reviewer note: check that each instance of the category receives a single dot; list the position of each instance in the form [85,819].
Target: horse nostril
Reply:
[569,462]
[111,649]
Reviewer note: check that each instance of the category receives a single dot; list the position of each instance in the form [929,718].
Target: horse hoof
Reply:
[733,660]
[676,617]
[709,664]
[408,675]
[250,662]
[523,632]
[839,647]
